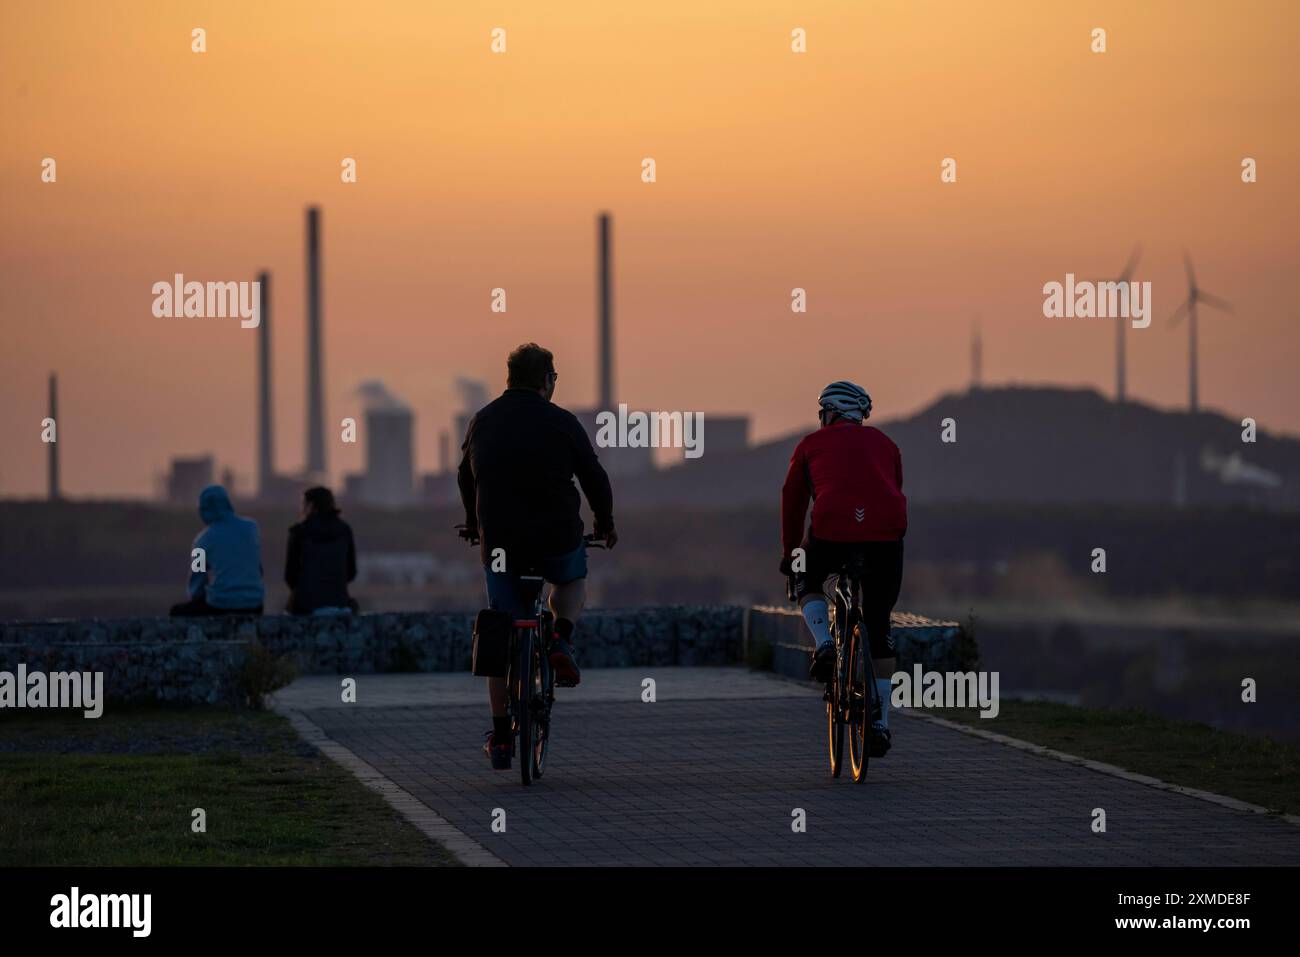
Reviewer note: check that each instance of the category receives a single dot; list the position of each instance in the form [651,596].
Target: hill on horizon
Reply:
[1024,445]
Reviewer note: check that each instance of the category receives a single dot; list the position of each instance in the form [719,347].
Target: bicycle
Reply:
[530,681]
[851,697]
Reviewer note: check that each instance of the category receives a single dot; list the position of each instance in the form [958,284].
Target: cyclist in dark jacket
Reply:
[521,454]
[321,558]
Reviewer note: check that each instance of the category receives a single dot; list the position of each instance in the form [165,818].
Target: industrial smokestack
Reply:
[265,434]
[606,332]
[444,453]
[54,494]
[315,384]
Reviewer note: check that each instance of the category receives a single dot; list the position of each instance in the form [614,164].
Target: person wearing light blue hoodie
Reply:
[231,558]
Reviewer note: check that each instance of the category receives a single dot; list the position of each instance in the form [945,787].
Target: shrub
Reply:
[263,673]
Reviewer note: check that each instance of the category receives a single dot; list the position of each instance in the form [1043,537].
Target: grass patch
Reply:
[120,791]
[1246,767]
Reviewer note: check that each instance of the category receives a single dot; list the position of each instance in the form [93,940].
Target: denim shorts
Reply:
[503,587]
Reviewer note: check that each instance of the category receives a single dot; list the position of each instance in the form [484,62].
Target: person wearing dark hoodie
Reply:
[321,558]
[231,580]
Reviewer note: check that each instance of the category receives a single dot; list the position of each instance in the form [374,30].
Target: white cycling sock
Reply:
[883,688]
[815,617]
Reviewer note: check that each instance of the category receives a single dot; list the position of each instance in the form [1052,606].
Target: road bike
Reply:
[852,699]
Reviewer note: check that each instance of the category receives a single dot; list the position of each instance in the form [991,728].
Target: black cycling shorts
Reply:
[882,578]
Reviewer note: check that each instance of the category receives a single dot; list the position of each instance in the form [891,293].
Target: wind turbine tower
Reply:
[1196,296]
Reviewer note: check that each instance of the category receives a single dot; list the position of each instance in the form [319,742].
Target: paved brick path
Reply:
[710,773]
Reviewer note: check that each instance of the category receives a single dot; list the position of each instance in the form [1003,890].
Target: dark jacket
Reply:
[516,477]
[320,561]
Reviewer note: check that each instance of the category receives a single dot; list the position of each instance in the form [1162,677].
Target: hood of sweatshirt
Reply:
[214,504]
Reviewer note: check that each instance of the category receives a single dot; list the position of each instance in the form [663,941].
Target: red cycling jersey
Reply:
[854,474]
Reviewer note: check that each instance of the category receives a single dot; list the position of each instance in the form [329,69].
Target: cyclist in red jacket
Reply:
[853,474]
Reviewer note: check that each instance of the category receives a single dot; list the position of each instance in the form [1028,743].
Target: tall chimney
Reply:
[54,494]
[315,386]
[444,453]
[606,332]
[1121,385]
[265,434]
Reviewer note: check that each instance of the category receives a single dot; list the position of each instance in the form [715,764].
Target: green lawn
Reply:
[1254,769]
[120,790]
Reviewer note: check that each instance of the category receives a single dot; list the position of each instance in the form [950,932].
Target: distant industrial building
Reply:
[390,459]
[389,478]
[188,477]
[617,462]
[439,488]
[720,435]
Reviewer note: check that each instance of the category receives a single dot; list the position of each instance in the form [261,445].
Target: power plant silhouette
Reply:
[389,423]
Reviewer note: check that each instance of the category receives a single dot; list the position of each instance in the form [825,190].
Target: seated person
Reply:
[231,582]
[321,558]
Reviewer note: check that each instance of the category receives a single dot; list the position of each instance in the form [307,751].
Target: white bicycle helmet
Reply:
[847,399]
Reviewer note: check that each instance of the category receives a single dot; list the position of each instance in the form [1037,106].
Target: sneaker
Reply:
[823,662]
[881,740]
[499,753]
[566,670]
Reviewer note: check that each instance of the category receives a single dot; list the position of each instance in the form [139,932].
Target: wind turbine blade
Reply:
[1212,300]
[1191,273]
[1132,263]
[1179,313]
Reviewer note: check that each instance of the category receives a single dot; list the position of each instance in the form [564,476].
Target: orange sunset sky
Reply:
[775,170]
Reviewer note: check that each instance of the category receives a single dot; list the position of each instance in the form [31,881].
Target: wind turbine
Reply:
[1121,378]
[1195,297]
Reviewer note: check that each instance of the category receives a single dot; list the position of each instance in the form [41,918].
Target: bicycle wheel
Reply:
[542,698]
[859,700]
[522,692]
[835,702]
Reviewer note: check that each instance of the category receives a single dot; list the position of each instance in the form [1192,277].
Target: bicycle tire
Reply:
[834,702]
[542,724]
[860,703]
[522,692]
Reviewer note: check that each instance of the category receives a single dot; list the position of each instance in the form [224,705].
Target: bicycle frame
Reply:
[530,682]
